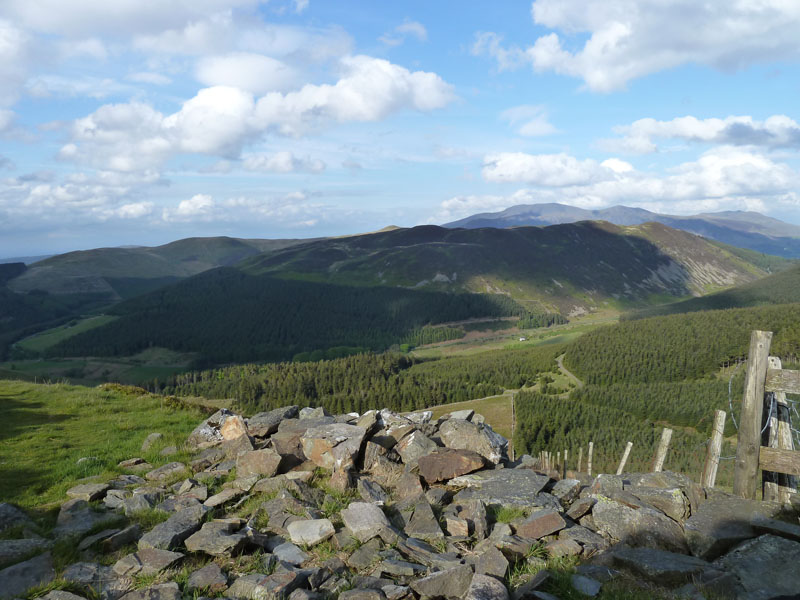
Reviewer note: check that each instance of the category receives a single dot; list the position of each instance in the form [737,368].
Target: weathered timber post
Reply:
[564,466]
[558,461]
[624,460]
[713,451]
[661,452]
[580,458]
[745,473]
[778,486]
[589,459]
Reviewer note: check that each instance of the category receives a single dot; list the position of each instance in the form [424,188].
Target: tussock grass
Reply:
[49,427]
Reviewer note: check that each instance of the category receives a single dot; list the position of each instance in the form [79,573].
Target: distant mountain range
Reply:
[744,229]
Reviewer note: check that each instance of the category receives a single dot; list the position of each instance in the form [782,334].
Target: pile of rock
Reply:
[388,507]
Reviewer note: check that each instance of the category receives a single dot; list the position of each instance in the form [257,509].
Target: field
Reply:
[495,409]
[48,429]
[44,340]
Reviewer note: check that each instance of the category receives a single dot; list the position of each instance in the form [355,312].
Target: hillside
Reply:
[745,229]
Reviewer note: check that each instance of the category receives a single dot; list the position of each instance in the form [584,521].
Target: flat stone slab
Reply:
[216,539]
[660,566]
[637,526]
[257,586]
[765,567]
[310,532]
[449,583]
[485,587]
[210,579]
[160,591]
[364,520]
[167,471]
[334,446]
[12,551]
[540,524]
[148,561]
[11,516]
[172,532]
[88,491]
[506,487]
[446,463]
[263,463]
[16,579]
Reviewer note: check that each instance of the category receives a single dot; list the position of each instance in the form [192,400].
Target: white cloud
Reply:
[629,39]
[15,55]
[407,28]
[149,77]
[90,48]
[282,162]
[45,86]
[221,120]
[300,6]
[777,131]
[6,119]
[254,73]
[199,207]
[135,210]
[554,170]
[530,120]
[725,177]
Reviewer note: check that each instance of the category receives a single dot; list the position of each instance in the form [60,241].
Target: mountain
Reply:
[744,229]
[118,273]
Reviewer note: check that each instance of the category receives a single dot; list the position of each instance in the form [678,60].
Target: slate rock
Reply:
[364,520]
[21,576]
[492,562]
[172,532]
[671,501]
[76,517]
[408,485]
[484,587]
[88,491]
[585,585]
[563,547]
[637,526]
[447,583]
[91,540]
[257,586]
[233,428]
[12,551]
[264,424]
[147,561]
[120,539]
[217,539]
[310,532]
[540,524]
[209,579]
[11,516]
[362,594]
[580,507]
[333,446]
[506,487]
[422,523]
[414,446]
[370,491]
[207,432]
[151,440]
[167,471]
[290,553]
[720,524]
[764,567]
[566,490]
[783,529]
[263,463]
[61,595]
[592,542]
[225,496]
[395,567]
[660,566]
[478,437]
[160,591]
[445,463]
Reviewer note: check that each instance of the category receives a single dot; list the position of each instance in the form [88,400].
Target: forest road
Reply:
[563,369]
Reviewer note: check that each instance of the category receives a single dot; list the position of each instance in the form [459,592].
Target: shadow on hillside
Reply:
[21,416]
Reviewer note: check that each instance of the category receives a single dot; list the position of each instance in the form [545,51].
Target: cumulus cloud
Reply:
[199,207]
[15,55]
[725,177]
[149,77]
[300,6]
[628,40]
[778,131]
[529,120]
[254,73]
[282,162]
[406,29]
[220,120]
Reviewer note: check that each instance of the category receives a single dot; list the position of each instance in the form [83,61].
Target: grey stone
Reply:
[159,591]
[719,524]
[12,551]
[445,463]
[364,520]
[566,490]
[591,541]
[642,527]
[266,587]
[362,594]
[311,412]
[484,587]
[209,579]
[91,540]
[423,524]
[122,538]
[660,566]
[585,585]
[88,491]
[563,547]
[333,446]
[783,529]
[76,517]
[290,553]
[372,492]
[225,496]
[21,576]
[400,568]
[310,532]
[11,516]
[423,553]
[172,532]
[207,433]
[540,524]
[506,487]
[147,561]
[671,501]
[151,440]
[168,451]
[62,595]
[580,507]
[466,415]
[492,562]
[408,485]
[264,424]
[414,446]
[216,539]
[447,583]
[479,437]
[167,471]
[365,555]
[761,567]
[263,463]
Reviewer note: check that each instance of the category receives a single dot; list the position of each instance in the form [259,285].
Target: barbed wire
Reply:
[730,395]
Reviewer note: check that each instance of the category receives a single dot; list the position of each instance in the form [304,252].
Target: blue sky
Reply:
[142,121]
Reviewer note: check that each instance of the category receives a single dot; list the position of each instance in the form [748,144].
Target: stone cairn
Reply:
[404,507]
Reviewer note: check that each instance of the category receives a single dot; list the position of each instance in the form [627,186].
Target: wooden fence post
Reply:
[661,452]
[778,486]
[624,460]
[745,474]
[713,450]
[580,458]
[558,461]
[564,466]
[589,458]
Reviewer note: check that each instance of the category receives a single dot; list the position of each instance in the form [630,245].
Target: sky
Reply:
[139,122]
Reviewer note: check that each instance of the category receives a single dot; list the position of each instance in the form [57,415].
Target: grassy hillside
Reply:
[564,268]
[779,288]
[54,435]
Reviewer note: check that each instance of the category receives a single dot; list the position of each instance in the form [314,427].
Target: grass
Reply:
[48,428]
[506,514]
[495,409]
[46,339]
